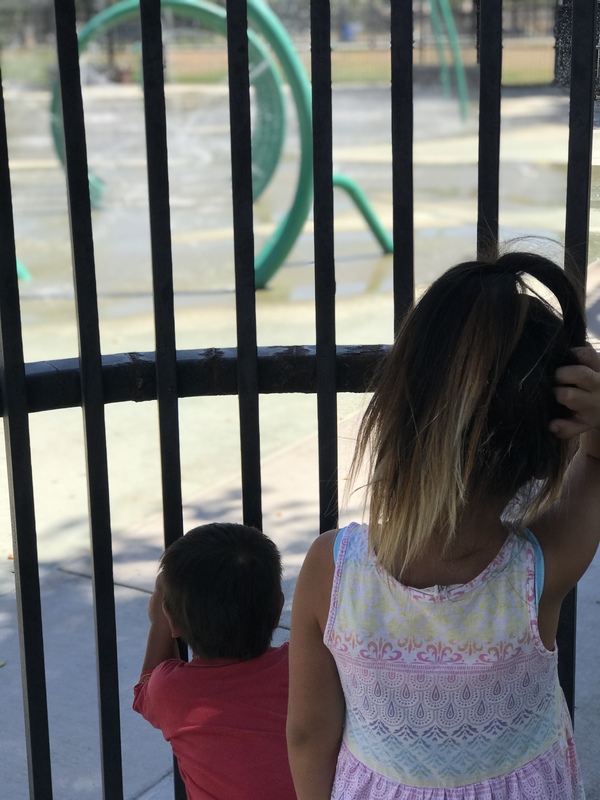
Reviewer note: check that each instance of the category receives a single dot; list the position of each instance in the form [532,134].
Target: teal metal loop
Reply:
[269,129]
[269,126]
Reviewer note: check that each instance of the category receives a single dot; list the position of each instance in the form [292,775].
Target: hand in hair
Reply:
[578,388]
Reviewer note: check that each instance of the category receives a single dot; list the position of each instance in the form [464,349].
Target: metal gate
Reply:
[246,371]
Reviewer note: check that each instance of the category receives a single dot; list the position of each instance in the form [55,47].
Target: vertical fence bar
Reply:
[490,92]
[162,288]
[20,489]
[401,39]
[581,129]
[579,180]
[92,397]
[243,242]
[322,131]
[162,267]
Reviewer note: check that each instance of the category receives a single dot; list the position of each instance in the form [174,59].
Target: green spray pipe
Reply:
[459,69]
[22,272]
[358,196]
[281,242]
[283,239]
[276,249]
[437,33]
[269,129]
[278,246]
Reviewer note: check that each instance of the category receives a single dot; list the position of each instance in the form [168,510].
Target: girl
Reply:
[423,663]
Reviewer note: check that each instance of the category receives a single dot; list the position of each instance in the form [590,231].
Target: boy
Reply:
[224,712]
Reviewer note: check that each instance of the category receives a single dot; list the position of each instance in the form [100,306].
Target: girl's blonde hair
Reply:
[462,405]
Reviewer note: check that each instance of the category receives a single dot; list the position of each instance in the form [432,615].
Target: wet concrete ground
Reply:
[533,184]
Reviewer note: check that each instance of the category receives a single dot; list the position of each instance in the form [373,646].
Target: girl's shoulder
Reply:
[328,551]
[322,547]
[315,581]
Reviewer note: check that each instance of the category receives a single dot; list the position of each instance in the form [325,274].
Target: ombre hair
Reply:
[462,405]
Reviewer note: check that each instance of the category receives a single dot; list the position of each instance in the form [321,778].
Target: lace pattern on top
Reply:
[445,689]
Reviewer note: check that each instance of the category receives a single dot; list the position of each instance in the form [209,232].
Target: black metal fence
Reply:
[93,380]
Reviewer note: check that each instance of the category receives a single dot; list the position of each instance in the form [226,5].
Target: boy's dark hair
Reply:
[222,590]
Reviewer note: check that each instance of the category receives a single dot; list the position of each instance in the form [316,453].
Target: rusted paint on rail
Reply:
[131,377]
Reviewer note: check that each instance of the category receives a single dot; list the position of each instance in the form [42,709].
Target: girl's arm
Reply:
[569,532]
[316,702]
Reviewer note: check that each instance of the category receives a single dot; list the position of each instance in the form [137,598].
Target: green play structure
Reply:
[22,272]
[272,56]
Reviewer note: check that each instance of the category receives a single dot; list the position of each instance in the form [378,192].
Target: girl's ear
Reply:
[175,633]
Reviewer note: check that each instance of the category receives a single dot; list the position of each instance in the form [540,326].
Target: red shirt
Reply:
[225,723]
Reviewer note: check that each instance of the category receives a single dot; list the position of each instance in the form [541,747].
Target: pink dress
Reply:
[450,693]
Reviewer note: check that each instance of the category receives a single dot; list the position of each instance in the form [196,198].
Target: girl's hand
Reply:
[578,388]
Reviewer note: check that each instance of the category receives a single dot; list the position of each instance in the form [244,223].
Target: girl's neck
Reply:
[479,536]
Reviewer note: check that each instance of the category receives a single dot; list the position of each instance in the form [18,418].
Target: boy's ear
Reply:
[175,633]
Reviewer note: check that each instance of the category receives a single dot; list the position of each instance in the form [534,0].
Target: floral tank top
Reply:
[450,693]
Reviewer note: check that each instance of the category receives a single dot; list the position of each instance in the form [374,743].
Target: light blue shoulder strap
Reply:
[538,566]
[337,543]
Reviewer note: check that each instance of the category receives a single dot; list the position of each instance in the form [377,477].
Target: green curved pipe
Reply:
[437,32]
[278,246]
[359,198]
[264,22]
[267,144]
[269,131]
[268,135]
[22,272]
[459,69]
[267,140]
[282,241]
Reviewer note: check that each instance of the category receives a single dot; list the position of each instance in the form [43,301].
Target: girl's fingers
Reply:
[588,364]
[577,375]
[583,376]
[567,428]
[588,356]
[573,397]
[578,389]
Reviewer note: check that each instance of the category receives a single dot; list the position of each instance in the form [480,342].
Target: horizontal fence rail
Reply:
[50,385]
[93,380]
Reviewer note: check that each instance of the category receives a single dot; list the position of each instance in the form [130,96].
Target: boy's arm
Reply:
[316,701]
[160,644]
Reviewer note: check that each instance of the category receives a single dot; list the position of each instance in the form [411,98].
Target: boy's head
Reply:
[222,590]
